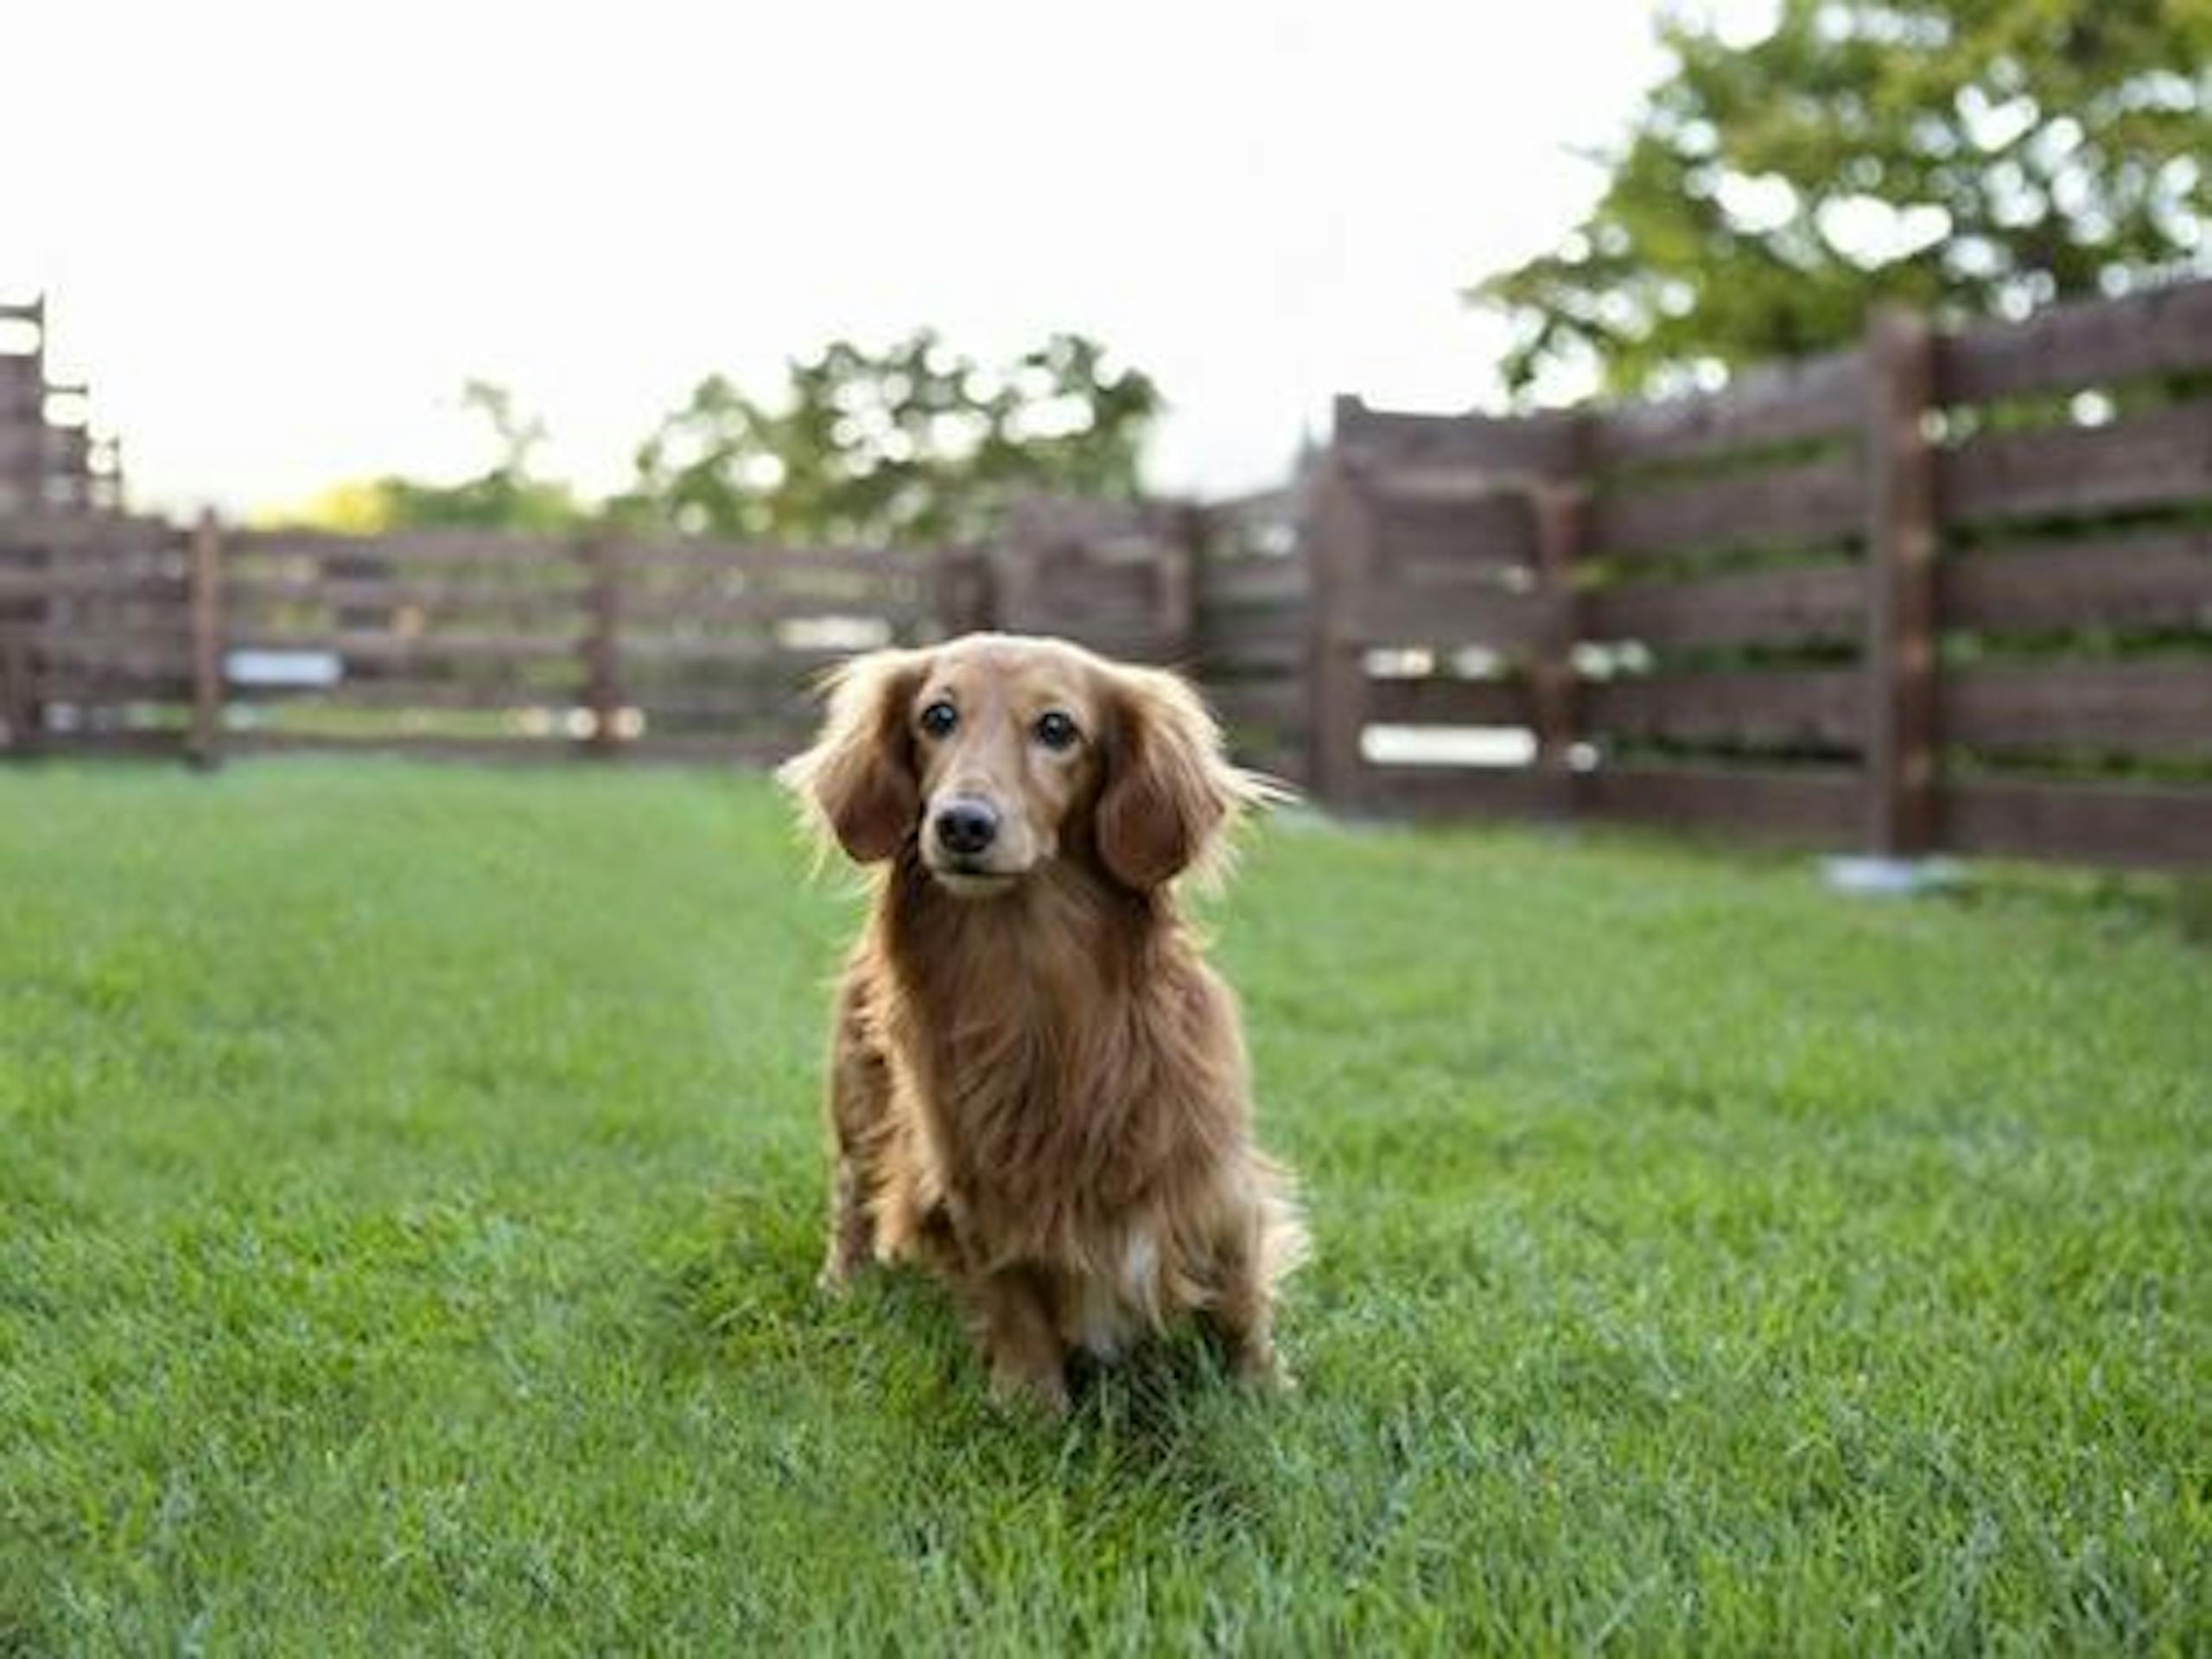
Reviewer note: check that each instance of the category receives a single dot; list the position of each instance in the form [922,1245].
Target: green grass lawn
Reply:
[409,1207]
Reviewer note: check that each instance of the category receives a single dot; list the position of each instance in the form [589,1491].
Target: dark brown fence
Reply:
[475,642]
[95,633]
[1115,575]
[1945,592]
[1254,624]
[49,457]
[482,645]
[1219,592]
[129,633]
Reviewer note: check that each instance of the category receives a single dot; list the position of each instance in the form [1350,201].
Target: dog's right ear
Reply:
[859,781]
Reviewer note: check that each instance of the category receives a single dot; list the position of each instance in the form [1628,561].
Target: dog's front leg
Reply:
[1243,1316]
[863,1174]
[1011,1313]
[852,1228]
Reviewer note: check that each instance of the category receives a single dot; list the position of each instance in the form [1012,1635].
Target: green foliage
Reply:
[1975,158]
[914,443]
[508,495]
[411,1179]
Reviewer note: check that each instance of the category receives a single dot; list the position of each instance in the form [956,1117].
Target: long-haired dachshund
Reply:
[1037,1086]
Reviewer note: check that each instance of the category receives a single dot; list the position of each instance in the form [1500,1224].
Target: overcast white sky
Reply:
[278,238]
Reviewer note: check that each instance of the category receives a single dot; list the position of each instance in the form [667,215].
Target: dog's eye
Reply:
[1055,730]
[939,718]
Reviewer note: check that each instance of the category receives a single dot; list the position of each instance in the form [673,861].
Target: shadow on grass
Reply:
[739,1300]
[1170,1417]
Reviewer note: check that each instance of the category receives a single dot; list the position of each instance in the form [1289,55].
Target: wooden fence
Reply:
[129,633]
[1218,592]
[1253,629]
[47,459]
[135,634]
[1942,593]
[96,618]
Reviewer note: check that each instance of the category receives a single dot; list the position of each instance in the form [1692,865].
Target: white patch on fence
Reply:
[833,633]
[1500,746]
[283,668]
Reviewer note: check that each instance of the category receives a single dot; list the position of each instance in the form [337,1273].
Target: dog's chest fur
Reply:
[1048,1052]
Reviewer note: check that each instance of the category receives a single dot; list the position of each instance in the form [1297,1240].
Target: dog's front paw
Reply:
[839,1269]
[846,1260]
[1043,1394]
[1264,1372]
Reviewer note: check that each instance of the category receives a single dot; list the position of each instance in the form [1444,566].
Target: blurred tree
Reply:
[915,443]
[1971,157]
[505,496]
[355,507]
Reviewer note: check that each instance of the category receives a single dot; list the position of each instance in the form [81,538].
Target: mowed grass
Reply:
[409,1191]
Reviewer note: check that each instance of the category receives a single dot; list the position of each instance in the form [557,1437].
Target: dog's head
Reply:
[996,754]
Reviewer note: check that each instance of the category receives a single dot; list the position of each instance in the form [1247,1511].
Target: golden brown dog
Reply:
[1037,1086]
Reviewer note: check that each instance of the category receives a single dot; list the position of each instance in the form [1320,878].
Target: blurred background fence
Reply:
[1945,592]
[49,456]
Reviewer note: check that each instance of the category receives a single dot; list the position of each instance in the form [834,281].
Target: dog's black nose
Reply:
[966,826]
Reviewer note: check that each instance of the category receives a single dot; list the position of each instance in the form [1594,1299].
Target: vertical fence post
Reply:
[1016,556]
[18,710]
[1180,550]
[1562,511]
[1901,547]
[961,593]
[1342,527]
[600,553]
[204,590]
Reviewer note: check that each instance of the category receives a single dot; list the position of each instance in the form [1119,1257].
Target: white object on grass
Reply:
[1890,877]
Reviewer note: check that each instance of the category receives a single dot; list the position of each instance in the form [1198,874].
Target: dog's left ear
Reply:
[1169,796]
